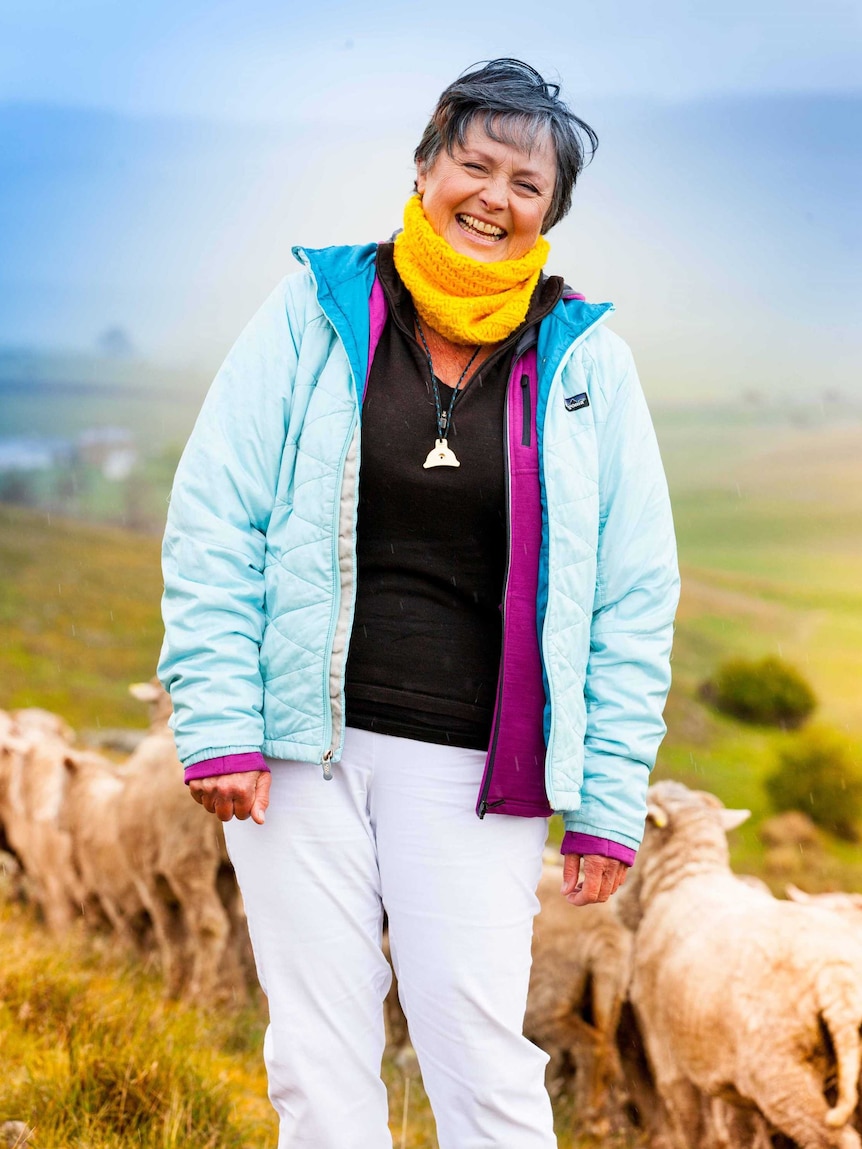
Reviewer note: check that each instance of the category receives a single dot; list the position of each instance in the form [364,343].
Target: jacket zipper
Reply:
[525,408]
[327,756]
[484,805]
[549,780]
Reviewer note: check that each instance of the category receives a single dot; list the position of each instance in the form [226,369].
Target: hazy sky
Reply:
[262,59]
[158,160]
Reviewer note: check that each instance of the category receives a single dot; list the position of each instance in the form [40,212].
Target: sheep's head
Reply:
[33,720]
[684,828]
[671,806]
[157,699]
[14,747]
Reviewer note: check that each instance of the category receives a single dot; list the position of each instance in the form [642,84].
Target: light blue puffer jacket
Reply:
[259,548]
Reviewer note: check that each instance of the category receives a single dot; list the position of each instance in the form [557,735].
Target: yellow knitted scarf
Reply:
[466,300]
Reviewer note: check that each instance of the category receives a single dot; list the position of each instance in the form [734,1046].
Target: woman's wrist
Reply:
[226,764]
[577,843]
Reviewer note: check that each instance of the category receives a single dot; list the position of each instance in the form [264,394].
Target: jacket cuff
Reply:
[575,843]
[226,764]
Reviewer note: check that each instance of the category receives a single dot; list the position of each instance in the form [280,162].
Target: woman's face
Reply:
[489,199]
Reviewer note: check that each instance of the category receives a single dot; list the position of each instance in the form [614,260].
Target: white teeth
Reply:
[480,225]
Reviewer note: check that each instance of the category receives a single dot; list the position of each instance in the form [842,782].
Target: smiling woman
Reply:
[489,199]
[371,640]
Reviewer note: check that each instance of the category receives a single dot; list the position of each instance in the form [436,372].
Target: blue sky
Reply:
[157,162]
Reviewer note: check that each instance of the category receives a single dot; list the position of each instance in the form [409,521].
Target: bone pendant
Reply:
[441,456]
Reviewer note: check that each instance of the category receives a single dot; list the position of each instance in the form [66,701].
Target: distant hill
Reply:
[63,394]
[726,230]
[55,396]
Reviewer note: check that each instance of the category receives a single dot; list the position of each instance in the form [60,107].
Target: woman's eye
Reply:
[474,167]
[529,188]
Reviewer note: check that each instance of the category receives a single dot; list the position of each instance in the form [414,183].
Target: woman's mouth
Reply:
[478,229]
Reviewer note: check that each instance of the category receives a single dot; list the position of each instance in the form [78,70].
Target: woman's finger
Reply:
[607,885]
[622,870]
[222,806]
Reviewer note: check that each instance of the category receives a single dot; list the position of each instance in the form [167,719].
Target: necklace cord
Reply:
[444,418]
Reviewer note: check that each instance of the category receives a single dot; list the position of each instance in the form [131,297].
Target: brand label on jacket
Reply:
[576,402]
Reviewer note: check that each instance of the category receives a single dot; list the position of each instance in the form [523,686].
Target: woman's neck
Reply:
[450,358]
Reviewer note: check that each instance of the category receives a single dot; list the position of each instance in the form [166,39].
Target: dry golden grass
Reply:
[95,1057]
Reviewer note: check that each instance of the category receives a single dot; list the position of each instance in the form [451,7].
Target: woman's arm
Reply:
[637,588]
[214,546]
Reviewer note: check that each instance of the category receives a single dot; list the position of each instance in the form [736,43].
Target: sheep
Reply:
[128,841]
[32,787]
[15,1135]
[182,873]
[733,990]
[578,983]
[158,701]
[94,790]
[35,720]
[839,901]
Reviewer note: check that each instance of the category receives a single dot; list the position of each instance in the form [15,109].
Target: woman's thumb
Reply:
[261,797]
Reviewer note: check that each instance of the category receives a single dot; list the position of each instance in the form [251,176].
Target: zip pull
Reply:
[327,766]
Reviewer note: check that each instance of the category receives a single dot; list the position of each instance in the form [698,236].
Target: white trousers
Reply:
[395,828]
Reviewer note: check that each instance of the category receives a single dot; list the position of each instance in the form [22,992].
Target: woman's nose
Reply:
[493,194]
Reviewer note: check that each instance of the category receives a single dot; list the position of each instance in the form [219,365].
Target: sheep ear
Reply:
[730,819]
[16,744]
[145,691]
[656,814]
[795,894]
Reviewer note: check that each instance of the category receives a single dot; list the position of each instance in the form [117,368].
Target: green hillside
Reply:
[769,517]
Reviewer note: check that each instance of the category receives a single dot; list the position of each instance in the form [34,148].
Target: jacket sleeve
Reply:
[637,589]
[214,544]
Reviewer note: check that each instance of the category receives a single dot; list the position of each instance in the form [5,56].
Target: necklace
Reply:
[441,455]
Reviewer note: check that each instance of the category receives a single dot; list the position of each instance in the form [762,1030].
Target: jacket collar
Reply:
[343,277]
[570,322]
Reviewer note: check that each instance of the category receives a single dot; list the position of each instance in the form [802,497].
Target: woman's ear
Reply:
[419,185]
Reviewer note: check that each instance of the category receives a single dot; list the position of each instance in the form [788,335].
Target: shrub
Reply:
[769,692]
[818,775]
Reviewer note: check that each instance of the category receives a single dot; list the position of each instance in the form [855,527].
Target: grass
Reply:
[95,1057]
[79,612]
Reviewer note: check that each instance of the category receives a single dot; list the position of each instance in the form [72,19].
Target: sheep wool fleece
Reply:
[259,552]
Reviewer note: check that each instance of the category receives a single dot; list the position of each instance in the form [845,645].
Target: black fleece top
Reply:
[431,544]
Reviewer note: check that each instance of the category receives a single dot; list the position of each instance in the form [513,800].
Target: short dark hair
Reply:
[515,104]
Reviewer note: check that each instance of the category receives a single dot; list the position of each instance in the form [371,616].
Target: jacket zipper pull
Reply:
[327,766]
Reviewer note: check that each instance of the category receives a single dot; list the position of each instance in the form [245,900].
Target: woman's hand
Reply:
[234,795]
[602,877]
